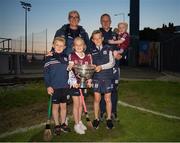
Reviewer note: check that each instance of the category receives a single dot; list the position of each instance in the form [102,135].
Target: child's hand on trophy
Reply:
[94,66]
[70,66]
[98,68]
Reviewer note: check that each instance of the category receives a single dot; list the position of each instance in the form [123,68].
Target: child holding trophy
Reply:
[78,57]
[102,79]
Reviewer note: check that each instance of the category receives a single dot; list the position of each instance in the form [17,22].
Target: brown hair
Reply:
[105,14]
[96,32]
[73,11]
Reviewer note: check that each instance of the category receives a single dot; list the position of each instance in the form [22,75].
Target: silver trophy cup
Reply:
[84,72]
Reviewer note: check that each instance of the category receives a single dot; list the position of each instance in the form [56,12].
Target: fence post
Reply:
[46,40]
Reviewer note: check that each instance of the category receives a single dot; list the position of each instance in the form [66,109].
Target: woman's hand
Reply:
[117,55]
[50,53]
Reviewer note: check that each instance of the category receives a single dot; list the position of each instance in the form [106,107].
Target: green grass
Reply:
[134,125]
[155,95]
[22,95]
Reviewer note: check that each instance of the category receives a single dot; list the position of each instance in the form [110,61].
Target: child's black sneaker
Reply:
[65,128]
[109,124]
[96,123]
[57,130]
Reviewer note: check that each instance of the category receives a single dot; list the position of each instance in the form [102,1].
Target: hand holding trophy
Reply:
[84,72]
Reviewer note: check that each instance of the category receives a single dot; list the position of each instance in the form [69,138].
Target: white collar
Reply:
[99,47]
[81,57]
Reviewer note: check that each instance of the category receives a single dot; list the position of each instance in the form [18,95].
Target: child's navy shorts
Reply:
[102,86]
[60,95]
[74,92]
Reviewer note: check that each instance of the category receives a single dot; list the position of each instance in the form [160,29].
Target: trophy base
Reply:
[83,83]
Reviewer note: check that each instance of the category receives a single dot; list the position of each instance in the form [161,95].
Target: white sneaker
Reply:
[82,125]
[78,129]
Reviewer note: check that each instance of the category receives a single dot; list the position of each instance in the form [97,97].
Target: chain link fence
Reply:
[13,58]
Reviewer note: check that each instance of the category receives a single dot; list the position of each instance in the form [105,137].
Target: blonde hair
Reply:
[73,11]
[123,23]
[79,39]
[61,39]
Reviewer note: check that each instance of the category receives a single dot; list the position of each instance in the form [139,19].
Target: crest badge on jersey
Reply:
[104,52]
[65,59]
[96,85]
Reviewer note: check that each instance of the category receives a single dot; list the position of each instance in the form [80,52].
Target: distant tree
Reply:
[154,34]
[168,29]
[148,34]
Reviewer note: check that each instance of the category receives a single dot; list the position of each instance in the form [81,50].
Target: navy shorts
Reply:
[74,92]
[60,95]
[102,86]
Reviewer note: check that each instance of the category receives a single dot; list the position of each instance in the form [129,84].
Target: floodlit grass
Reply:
[134,125]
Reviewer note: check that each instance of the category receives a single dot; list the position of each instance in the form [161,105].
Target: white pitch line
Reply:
[22,130]
[147,110]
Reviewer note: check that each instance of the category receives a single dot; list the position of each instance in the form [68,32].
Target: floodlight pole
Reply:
[121,14]
[27,7]
[26,31]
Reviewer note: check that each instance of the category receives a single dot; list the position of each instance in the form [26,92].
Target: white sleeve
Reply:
[111,62]
[72,78]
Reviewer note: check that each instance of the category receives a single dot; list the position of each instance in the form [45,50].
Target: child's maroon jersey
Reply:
[124,36]
[87,59]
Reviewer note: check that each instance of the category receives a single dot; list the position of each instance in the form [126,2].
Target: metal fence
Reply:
[14,60]
[162,56]
[36,43]
[170,49]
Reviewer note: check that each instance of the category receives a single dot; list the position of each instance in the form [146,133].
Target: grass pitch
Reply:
[134,125]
